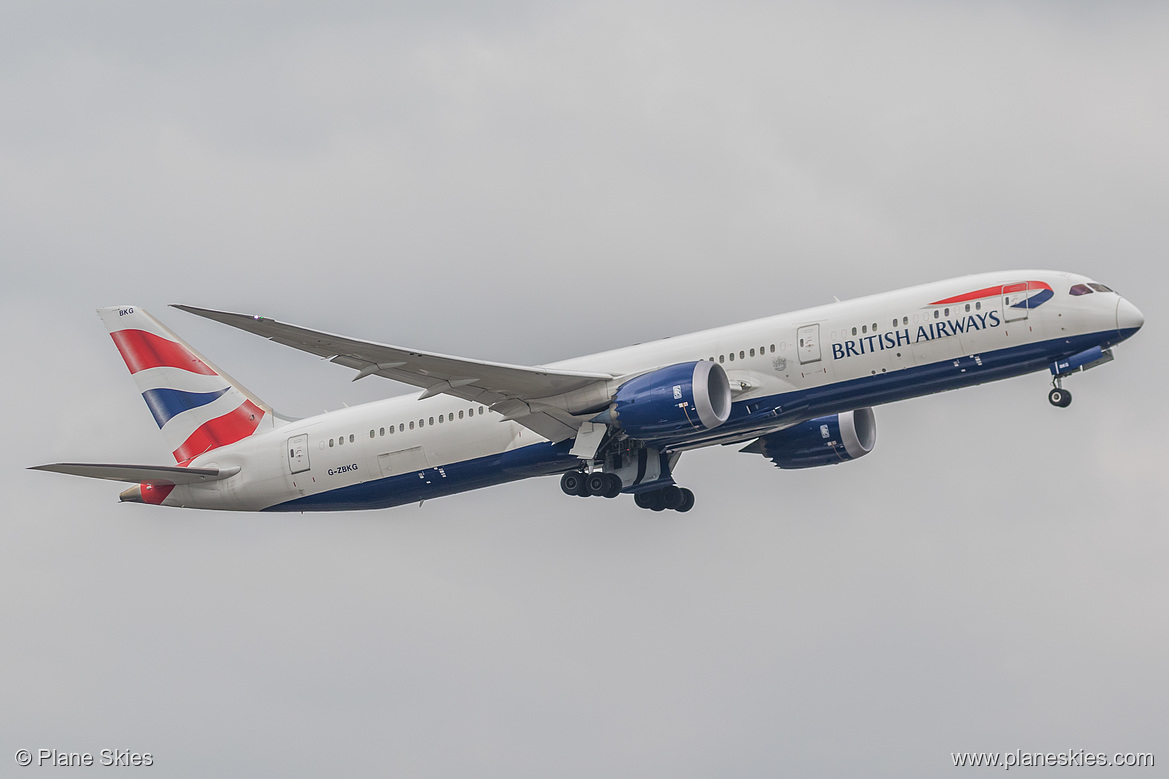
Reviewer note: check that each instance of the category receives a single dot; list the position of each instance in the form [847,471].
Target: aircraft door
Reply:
[402,461]
[808,343]
[1015,302]
[298,454]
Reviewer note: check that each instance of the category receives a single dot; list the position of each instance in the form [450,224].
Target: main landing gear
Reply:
[609,485]
[591,485]
[672,497]
[1058,396]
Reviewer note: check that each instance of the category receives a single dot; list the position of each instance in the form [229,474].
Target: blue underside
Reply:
[756,413]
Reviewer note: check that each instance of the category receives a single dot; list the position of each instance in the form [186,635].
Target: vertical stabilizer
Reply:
[197,406]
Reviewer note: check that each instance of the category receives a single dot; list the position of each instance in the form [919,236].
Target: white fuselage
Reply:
[823,360]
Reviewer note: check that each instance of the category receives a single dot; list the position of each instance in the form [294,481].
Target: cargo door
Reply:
[412,460]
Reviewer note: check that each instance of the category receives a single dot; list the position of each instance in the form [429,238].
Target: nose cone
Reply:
[1128,317]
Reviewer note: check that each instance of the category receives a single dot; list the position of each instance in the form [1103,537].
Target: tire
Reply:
[572,483]
[596,484]
[644,500]
[1067,399]
[671,496]
[687,501]
[1059,397]
[615,485]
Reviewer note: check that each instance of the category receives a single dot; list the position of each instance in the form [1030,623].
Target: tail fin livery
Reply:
[197,406]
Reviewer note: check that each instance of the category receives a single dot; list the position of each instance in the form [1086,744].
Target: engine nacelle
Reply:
[683,398]
[824,441]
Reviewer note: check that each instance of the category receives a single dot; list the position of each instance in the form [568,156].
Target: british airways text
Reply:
[879,342]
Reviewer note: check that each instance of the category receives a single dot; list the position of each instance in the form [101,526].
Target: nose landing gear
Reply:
[1058,396]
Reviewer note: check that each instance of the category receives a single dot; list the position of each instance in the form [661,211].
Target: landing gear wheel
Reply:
[615,485]
[687,501]
[671,497]
[573,483]
[649,500]
[1059,397]
[597,484]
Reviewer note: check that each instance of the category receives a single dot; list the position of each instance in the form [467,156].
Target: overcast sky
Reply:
[526,182]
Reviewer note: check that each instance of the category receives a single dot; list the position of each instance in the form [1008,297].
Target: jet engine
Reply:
[823,441]
[683,398]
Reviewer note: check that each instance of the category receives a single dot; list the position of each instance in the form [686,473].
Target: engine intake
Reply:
[683,398]
[823,441]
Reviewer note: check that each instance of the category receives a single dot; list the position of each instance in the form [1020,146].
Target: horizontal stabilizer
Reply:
[140,474]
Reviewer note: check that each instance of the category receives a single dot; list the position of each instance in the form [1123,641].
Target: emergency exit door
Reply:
[808,343]
[298,454]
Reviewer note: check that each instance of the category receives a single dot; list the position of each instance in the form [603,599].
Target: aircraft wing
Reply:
[140,474]
[511,390]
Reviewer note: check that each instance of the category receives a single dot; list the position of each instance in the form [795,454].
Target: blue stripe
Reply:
[760,415]
[1035,301]
[166,404]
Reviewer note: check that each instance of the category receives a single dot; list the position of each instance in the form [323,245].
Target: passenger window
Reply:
[752,352]
[411,424]
[480,411]
[382,431]
[978,306]
[371,433]
[720,358]
[937,313]
[947,312]
[732,356]
[904,320]
[440,419]
[1080,289]
[330,442]
[864,329]
[391,429]
[773,348]
[422,423]
[460,415]
[854,331]
[742,355]
[402,427]
[432,420]
[351,438]
[340,440]
[874,327]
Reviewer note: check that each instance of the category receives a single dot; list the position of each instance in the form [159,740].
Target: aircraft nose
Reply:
[1128,316]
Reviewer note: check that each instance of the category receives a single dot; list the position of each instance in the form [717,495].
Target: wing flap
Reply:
[499,385]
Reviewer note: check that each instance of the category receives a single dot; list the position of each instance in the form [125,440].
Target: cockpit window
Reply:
[1080,289]
[1098,287]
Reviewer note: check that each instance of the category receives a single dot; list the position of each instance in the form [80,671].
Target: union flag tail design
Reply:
[197,406]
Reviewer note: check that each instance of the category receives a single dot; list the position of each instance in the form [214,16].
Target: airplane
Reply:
[797,388]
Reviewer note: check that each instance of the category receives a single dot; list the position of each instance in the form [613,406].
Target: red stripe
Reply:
[985,293]
[142,350]
[221,431]
[155,494]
